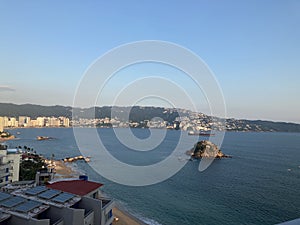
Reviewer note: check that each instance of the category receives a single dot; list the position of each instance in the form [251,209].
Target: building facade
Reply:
[1,124]
[43,205]
[9,165]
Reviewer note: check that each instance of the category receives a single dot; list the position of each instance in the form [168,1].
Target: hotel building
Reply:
[51,205]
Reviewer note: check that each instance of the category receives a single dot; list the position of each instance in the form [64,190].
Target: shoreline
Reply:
[65,170]
[125,218]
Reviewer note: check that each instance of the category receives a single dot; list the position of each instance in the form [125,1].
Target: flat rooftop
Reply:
[16,205]
[48,196]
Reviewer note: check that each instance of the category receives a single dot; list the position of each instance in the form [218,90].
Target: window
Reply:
[108,215]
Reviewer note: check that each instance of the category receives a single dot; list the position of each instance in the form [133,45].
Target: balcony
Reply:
[4,166]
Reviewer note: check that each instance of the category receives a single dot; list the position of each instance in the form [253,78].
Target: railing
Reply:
[58,222]
[4,166]
[88,213]
[105,202]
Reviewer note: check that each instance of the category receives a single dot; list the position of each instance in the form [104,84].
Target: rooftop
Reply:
[77,187]
[48,196]
[16,205]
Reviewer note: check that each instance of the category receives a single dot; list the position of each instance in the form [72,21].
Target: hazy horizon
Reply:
[148,106]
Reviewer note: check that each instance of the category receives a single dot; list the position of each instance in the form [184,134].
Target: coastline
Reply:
[125,218]
[65,170]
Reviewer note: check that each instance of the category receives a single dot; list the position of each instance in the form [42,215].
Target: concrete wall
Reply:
[69,215]
[92,204]
[14,220]
[108,207]
[89,219]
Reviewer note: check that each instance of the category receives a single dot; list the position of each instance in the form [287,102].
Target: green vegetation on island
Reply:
[4,135]
[206,149]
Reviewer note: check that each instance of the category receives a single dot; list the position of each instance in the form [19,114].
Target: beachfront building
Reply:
[24,121]
[40,121]
[65,122]
[43,205]
[87,189]
[1,124]
[9,165]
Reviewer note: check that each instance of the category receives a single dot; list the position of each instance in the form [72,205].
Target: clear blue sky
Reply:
[252,47]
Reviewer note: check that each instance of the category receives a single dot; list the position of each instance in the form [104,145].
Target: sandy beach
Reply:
[65,170]
[125,218]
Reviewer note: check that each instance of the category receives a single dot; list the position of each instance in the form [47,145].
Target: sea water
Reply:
[260,184]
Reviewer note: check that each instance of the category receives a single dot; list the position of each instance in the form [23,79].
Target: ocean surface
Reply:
[259,185]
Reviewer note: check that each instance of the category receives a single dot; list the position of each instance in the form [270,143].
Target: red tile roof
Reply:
[77,187]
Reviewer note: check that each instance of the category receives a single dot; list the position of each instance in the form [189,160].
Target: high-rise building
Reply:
[66,122]
[40,121]
[6,120]
[54,122]
[1,124]
[28,121]
[12,122]
[9,164]
[22,121]
[33,123]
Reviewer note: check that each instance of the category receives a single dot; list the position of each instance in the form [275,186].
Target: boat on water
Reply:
[42,138]
[200,133]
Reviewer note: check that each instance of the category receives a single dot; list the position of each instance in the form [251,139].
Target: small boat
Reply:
[206,134]
[42,138]
[200,133]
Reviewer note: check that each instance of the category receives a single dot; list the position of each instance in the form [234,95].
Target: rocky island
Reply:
[6,136]
[206,149]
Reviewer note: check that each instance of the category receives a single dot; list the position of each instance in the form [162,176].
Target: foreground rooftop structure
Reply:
[44,205]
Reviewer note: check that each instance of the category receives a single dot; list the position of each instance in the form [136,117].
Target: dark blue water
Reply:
[259,185]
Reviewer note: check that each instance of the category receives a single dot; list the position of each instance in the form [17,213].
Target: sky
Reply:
[252,48]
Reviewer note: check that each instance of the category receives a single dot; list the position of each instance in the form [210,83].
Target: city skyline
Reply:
[252,48]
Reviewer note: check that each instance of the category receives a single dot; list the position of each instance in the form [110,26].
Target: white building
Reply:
[6,121]
[65,121]
[1,124]
[24,121]
[40,121]
[12,122]
[33,123]
[9,165]
[53,122]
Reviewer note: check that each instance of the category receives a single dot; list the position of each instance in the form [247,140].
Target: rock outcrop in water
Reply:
[206,149]
[6,136]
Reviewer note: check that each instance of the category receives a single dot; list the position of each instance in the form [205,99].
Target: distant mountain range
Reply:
[138,113]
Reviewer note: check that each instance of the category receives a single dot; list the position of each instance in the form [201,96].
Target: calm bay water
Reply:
[259,185]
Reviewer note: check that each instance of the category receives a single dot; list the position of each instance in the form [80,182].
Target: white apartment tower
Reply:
[1,124]
[9,165]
